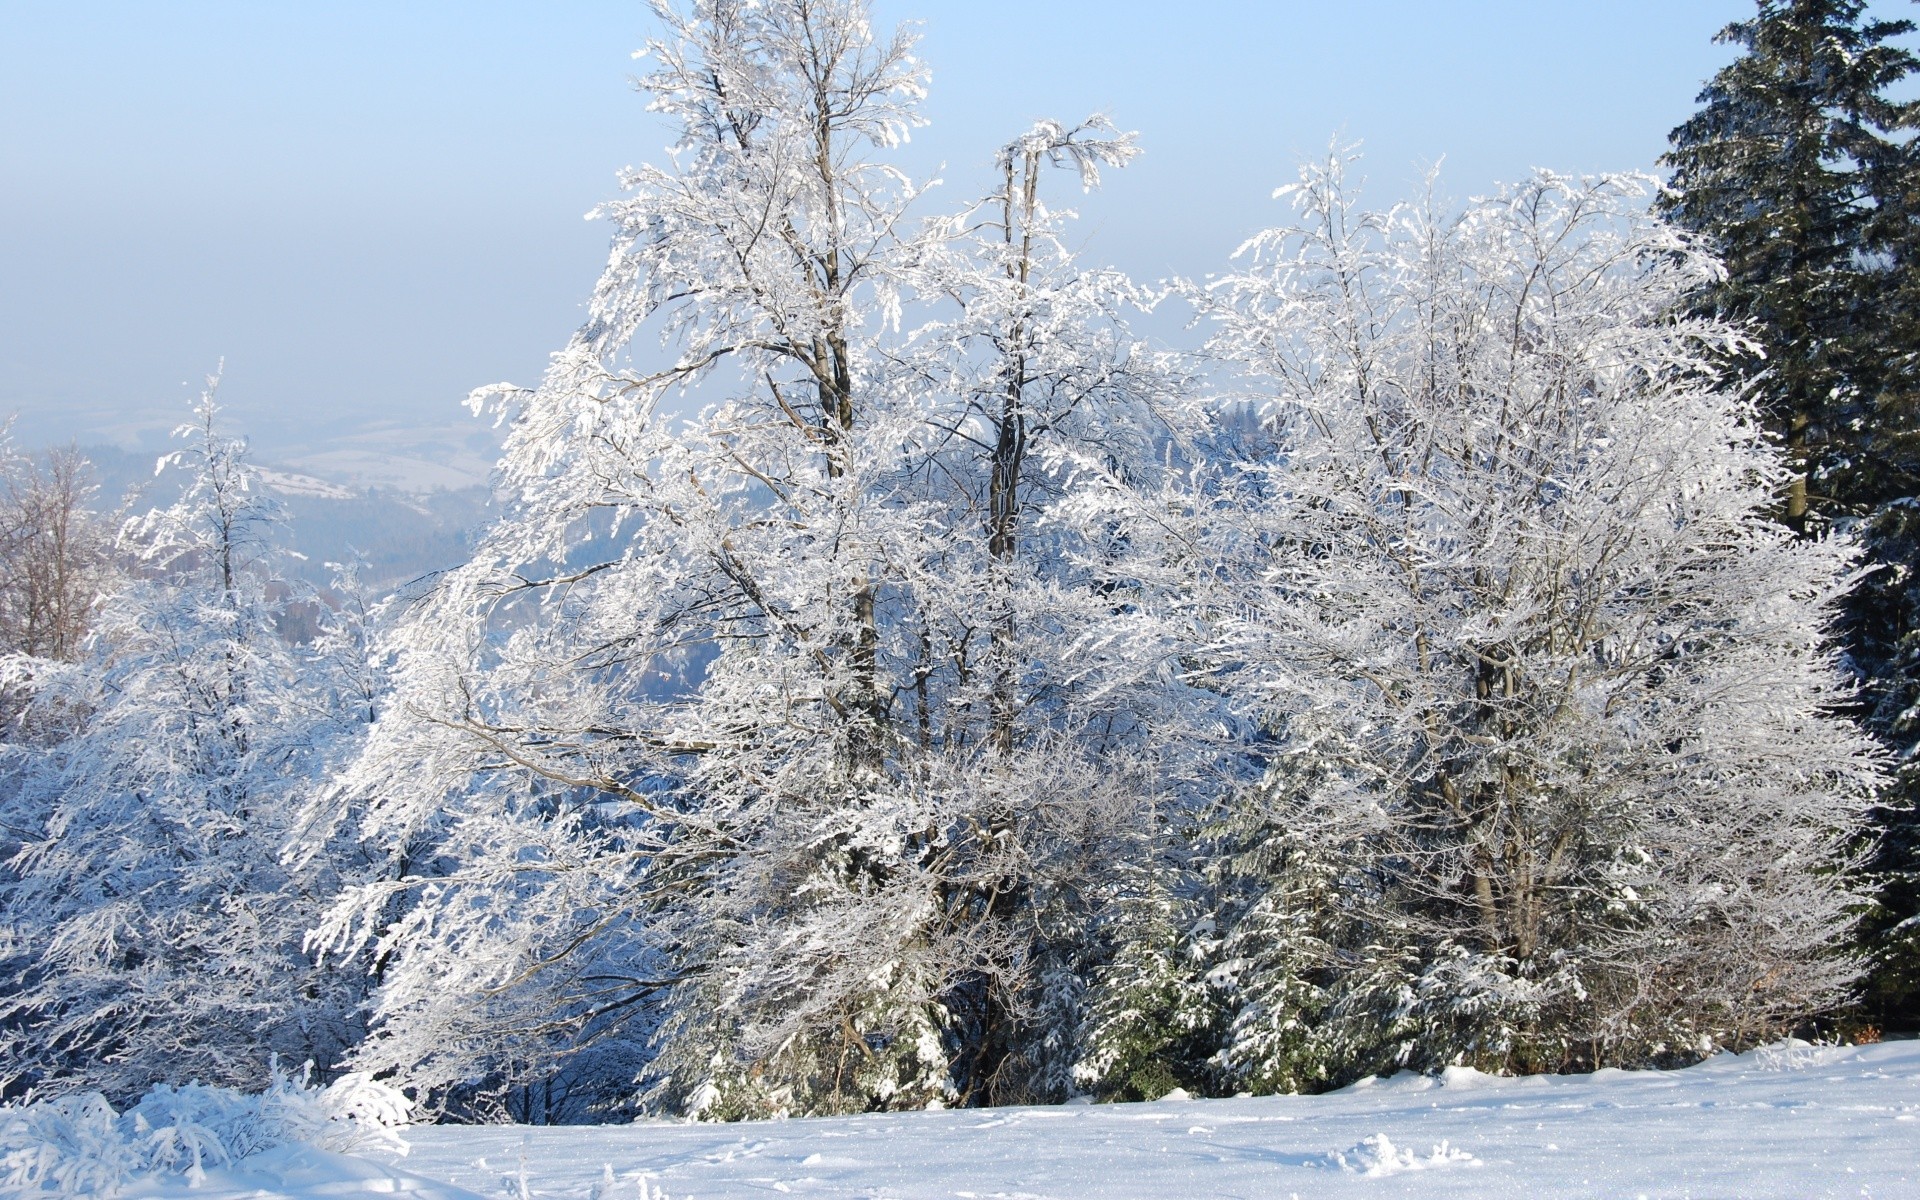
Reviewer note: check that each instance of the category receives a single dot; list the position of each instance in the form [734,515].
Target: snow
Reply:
[1793,1121]
[1786,1121]
[293,483]
[300,1171]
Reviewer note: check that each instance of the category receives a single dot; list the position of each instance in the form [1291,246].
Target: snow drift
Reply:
[78,1145]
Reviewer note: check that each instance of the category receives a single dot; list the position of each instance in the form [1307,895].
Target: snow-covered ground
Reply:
[1783,1122]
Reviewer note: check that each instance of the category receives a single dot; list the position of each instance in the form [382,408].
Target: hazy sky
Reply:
[369,207]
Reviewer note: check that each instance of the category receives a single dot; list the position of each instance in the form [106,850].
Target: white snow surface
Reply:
[293,483]
[1787,1121]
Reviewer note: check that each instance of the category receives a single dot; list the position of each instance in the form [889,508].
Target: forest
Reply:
[887,680]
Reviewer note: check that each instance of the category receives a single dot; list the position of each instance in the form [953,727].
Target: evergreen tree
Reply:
[1801,172]
[153,926]
[1288,902]
[1794,171]
[1882,635]
[1153,1018]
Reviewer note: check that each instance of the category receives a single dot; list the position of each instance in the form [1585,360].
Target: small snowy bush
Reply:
[78,1145]
[1377,1156]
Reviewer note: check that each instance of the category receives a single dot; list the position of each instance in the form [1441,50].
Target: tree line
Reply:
[1489,648]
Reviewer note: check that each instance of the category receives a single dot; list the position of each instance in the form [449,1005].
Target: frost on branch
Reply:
[1549,697]
[767,753]
[153,929]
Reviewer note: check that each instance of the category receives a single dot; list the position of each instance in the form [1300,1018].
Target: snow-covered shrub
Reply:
[353,1113]
[1557,768]
[70,1145]
[78,1145]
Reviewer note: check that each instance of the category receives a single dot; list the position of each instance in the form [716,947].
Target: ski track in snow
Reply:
[1797,1122]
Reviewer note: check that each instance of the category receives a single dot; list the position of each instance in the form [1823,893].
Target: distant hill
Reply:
[402,533]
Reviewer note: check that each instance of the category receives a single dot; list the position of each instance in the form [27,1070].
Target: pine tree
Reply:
[154,930]
[1882,636]
[1800,171]
[1153,1018]
[1793,170]
[1289,904]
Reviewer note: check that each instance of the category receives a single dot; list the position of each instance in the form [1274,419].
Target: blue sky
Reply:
[370,206]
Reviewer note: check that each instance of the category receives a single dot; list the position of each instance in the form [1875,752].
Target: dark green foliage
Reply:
[1153,1020]
[1883,635]
[1796,168]
[1282,960]
[1328,971]
[1803,173]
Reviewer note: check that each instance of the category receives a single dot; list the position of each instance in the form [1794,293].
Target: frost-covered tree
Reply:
[152,930]
[1802,171]
[1555,774]
[1048,662]
[643,732]
[754,738]
[54,552]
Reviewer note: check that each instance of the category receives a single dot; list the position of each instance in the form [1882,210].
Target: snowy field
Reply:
[1793,1122]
